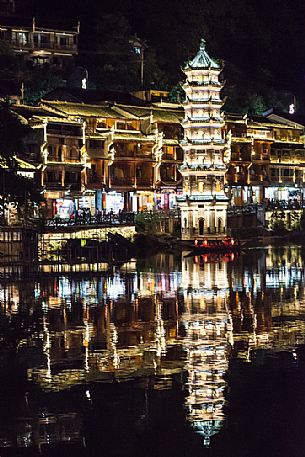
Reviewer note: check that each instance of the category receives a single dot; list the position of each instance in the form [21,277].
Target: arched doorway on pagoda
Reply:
[185,224]
[220,225]
[201,225]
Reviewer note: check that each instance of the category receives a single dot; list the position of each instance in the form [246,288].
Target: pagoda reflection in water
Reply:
[208,328]
[159,321]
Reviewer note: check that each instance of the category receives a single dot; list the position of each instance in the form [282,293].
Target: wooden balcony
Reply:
[144,183]
[123,182]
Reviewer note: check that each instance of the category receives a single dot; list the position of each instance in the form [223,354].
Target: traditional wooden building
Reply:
[163,120]
[250,139]
[122,157]
[284,196]
[40,43]
[58,144]
[117,156]
[267,165]
[238,173]
[258,129]
[287,159]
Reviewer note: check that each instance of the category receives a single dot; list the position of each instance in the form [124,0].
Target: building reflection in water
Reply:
[161,320]
[208,330]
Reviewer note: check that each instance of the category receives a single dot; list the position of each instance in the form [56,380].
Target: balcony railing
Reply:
[93,179]
[63,159]
[73,160]
[240,157]
[244,209]
[74,186]
[139,153]
[284,204]
[46,46]
[64,131]
[168,179]
[86,219]
[18,44]
[122,182]
[144,182]
[53,184]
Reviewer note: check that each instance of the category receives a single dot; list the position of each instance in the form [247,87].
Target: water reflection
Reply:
[169,320]
[208,332]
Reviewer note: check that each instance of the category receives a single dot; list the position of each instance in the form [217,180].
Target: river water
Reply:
[189,356]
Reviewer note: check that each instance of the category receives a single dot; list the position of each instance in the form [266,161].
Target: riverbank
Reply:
[274,239]
[150,243]
[117,248]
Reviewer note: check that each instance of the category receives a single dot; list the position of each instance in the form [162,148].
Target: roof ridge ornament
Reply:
[202,44]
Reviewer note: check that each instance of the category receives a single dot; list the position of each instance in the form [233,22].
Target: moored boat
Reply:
[224,245]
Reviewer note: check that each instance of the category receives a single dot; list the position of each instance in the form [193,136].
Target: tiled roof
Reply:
[83,110]
[29,112]
[202,60]
[264,122]
[24,165]
[170,141]
[133,136]
[97,135]
[294,120]
[91,96]
[164,115]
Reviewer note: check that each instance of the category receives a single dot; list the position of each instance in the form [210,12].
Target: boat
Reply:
[206,246]
[214,257]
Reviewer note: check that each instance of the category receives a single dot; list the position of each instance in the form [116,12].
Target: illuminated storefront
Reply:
[87,201]
[240,195]
[63,207]
[243,195]
[287,194]
[165,200]
[145,201]
[114,202]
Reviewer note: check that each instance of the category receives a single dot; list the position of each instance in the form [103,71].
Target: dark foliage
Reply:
[261,43]
[18,188]
[12,131]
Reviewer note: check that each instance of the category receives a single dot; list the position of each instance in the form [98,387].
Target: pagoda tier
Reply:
[204,202]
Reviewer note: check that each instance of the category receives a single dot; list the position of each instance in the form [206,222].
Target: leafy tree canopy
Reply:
[264,40]
[13,129]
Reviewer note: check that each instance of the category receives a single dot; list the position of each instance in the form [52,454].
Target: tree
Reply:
[13,129]
[13,187]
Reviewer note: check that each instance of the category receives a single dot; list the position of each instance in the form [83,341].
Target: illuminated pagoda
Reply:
[204,202]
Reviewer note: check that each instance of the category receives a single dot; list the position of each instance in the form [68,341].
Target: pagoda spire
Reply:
[202,44]
[202,60]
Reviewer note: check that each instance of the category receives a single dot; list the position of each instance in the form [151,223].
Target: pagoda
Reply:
[204,202]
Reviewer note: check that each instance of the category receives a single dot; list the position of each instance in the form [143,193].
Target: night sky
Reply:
[261,41]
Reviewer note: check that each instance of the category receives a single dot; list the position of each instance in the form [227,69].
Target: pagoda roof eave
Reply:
[202,61]
[189,68]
